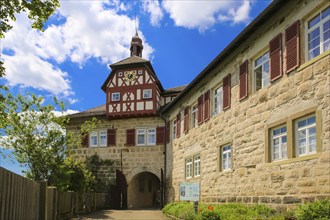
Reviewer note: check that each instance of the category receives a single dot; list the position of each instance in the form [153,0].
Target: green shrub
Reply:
[317,210]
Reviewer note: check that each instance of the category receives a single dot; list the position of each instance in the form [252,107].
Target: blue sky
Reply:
[70,58]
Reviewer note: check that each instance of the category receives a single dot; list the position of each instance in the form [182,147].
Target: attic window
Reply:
[120,74]
[140,72]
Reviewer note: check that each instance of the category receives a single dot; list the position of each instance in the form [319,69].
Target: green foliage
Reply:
[230,211]
[317,210]
[39,141]
[38,11]
[98,167]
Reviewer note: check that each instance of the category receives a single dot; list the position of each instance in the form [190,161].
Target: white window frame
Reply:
[194,116]
[188,168]
[151,132]
[265,76]
[197,165]
[115,96]
[307,128]
[96,135]
[147,93]
[140,132]
[321,36]
[226,162]
[103,133]
[217,100]
[282,147]
[173,129]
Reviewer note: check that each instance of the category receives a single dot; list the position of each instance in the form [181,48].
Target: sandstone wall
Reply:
[253,178]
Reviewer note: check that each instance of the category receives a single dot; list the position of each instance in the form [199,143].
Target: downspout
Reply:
[164,152]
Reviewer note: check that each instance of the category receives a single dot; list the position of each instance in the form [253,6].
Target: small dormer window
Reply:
[147,94]
[115,96]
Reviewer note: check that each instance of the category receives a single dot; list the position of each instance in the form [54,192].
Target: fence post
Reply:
[42,200]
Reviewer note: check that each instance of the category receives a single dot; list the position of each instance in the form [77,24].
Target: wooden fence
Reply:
[21,198]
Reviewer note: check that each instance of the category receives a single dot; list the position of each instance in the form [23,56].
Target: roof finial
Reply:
[136,31]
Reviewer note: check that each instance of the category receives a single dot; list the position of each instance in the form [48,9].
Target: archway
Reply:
[144,191]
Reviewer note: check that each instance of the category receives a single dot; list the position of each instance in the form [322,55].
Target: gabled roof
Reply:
[133,61]
[263,17]
[130,60]
[97,111]
[174,89]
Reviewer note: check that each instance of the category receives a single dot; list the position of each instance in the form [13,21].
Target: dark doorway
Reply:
[118,192]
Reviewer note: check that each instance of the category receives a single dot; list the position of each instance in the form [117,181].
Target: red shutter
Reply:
[243,80]
[200,109]
[130,137]
[178,124]
[168,126]
[186,119]
[85,140]
[160,135]
[206,105]
[292,46]
[111,133]
[226,91]
[275,54]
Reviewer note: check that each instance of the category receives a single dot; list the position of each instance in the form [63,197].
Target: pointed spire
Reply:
[136,43]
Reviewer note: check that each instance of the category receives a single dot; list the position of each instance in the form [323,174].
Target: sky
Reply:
[70,58]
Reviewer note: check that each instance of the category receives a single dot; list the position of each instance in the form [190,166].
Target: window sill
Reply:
[312,61]
[293,160]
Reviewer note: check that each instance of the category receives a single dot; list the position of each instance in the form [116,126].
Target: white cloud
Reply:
[154,9]
[241,14]
[202,15]
[88,29]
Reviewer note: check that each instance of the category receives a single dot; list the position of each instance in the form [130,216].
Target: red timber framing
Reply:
[132,103]
[292,42]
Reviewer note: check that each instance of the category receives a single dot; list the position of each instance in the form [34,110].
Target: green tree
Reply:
[39,140]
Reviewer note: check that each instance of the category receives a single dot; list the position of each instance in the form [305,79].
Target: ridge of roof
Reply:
[175,89]
[99,110]
[272,8]
[130,60]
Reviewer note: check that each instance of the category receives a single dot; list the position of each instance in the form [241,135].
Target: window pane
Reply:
[314,21]
[151,136]
[326,12]
[302,123]
[103,138]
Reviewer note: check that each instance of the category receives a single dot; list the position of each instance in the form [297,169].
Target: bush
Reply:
[317,210]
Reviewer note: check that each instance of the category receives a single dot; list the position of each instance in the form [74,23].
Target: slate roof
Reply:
[175,89]
[97,111]
[130,60]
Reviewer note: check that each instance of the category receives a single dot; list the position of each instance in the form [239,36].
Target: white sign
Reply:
[189,191]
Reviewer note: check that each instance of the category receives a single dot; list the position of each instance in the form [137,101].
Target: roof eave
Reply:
[260,19]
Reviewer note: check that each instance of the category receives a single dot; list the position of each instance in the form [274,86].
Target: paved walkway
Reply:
[123,215]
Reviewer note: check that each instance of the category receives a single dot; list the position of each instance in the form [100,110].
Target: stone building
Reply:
[252,127]
[131,131]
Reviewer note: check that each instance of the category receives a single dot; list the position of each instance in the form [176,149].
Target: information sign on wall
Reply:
[189,191]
